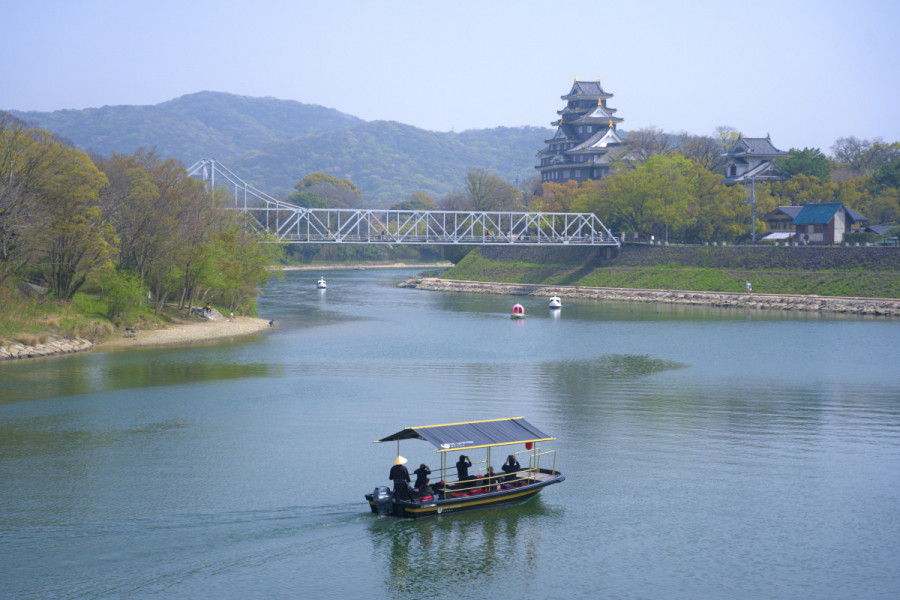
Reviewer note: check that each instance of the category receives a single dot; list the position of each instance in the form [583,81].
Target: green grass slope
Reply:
[856,272]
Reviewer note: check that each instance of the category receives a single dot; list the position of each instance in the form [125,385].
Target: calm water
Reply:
[709,454]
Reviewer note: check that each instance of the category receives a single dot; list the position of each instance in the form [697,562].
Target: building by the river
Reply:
[585,138]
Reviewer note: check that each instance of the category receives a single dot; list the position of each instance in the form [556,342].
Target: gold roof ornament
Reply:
[610,124]
[576,79]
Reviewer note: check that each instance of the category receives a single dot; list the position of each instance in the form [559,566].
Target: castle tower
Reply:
[585,137]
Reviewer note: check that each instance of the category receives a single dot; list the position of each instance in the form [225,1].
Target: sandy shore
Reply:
[188,332]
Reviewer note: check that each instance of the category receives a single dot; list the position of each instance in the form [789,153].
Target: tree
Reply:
[705,151]
[888,175]
[455,201]
[307,199]
[75,238]
[668,196]
[864,156]
[418,201]
[809,161]
[22,157]
[488,192]
[336,192]
[647,142]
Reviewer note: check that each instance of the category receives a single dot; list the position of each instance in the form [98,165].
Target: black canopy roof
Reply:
[473,434]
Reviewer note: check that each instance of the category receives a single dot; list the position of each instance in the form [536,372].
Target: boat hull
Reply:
[512,495]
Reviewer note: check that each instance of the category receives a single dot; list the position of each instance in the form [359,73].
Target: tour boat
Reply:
[321,285]
[518,312]
[479,489]
[555,302]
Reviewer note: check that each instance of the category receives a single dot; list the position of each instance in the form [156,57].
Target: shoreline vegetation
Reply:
[182,331]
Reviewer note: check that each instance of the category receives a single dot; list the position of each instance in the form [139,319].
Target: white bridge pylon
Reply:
[298,225]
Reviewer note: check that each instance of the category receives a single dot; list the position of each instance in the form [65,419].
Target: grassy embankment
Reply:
[30,320]
[855,272]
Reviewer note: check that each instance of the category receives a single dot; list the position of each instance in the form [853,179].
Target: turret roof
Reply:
[587,88]
[758,147]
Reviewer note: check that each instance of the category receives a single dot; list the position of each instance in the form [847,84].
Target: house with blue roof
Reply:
[825,222]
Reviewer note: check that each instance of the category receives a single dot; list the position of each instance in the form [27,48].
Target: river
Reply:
[708,453]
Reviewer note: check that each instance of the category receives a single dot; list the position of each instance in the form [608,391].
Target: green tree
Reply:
[809,161]
[123,292]
[888,175]
[336,192]
[418,201]
[73,239]
[307,199]
[487,192]
[23,157]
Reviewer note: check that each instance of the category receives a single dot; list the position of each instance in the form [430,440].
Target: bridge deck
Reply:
[288,223]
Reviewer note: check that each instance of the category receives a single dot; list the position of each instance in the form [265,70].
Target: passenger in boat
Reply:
[491,479]
[511,467]
[425,490]
[421,474]
[400,476]
[462,467]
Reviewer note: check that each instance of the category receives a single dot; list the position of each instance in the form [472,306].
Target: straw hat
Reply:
[399,460]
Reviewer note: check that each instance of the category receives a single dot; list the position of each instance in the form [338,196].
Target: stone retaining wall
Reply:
[759,257]
[53,346]
[860,306]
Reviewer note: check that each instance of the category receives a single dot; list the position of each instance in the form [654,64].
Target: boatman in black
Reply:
[400,477]
[462,467]
[421,474]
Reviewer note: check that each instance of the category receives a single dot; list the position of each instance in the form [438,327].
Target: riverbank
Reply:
[187,332]
[860,306]
[181,332]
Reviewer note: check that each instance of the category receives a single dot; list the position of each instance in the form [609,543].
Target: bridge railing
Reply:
[295,224]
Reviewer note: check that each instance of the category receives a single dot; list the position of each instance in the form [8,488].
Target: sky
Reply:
[805,72]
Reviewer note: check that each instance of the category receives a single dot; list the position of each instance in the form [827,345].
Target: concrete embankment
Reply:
[51,347]
[861,306]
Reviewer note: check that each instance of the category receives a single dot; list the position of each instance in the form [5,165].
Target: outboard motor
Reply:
[383,500]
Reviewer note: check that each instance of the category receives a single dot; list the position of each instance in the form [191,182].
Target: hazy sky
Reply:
[806,72]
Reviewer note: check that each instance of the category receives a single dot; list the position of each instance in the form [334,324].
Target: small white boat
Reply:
[321,285]
[555,302]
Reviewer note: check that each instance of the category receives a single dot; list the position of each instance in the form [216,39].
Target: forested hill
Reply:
[195,126]
[274,143]
[389,161]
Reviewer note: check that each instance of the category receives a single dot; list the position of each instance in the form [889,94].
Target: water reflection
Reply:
[436,556]
[68,376]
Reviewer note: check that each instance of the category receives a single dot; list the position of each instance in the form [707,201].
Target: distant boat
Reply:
[555,302]
[321,285]
[518,312]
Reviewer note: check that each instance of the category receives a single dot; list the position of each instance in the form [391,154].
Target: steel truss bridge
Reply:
[298,225]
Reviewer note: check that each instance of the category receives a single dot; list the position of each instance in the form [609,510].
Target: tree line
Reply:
[136,227]
[669,185]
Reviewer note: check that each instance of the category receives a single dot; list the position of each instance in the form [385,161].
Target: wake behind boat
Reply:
[482,488]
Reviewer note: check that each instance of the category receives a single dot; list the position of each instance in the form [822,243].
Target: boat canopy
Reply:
[473,434]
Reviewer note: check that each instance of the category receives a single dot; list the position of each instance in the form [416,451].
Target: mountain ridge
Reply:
[274,143]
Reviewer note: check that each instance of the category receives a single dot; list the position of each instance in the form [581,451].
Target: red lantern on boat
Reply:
[529,445]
